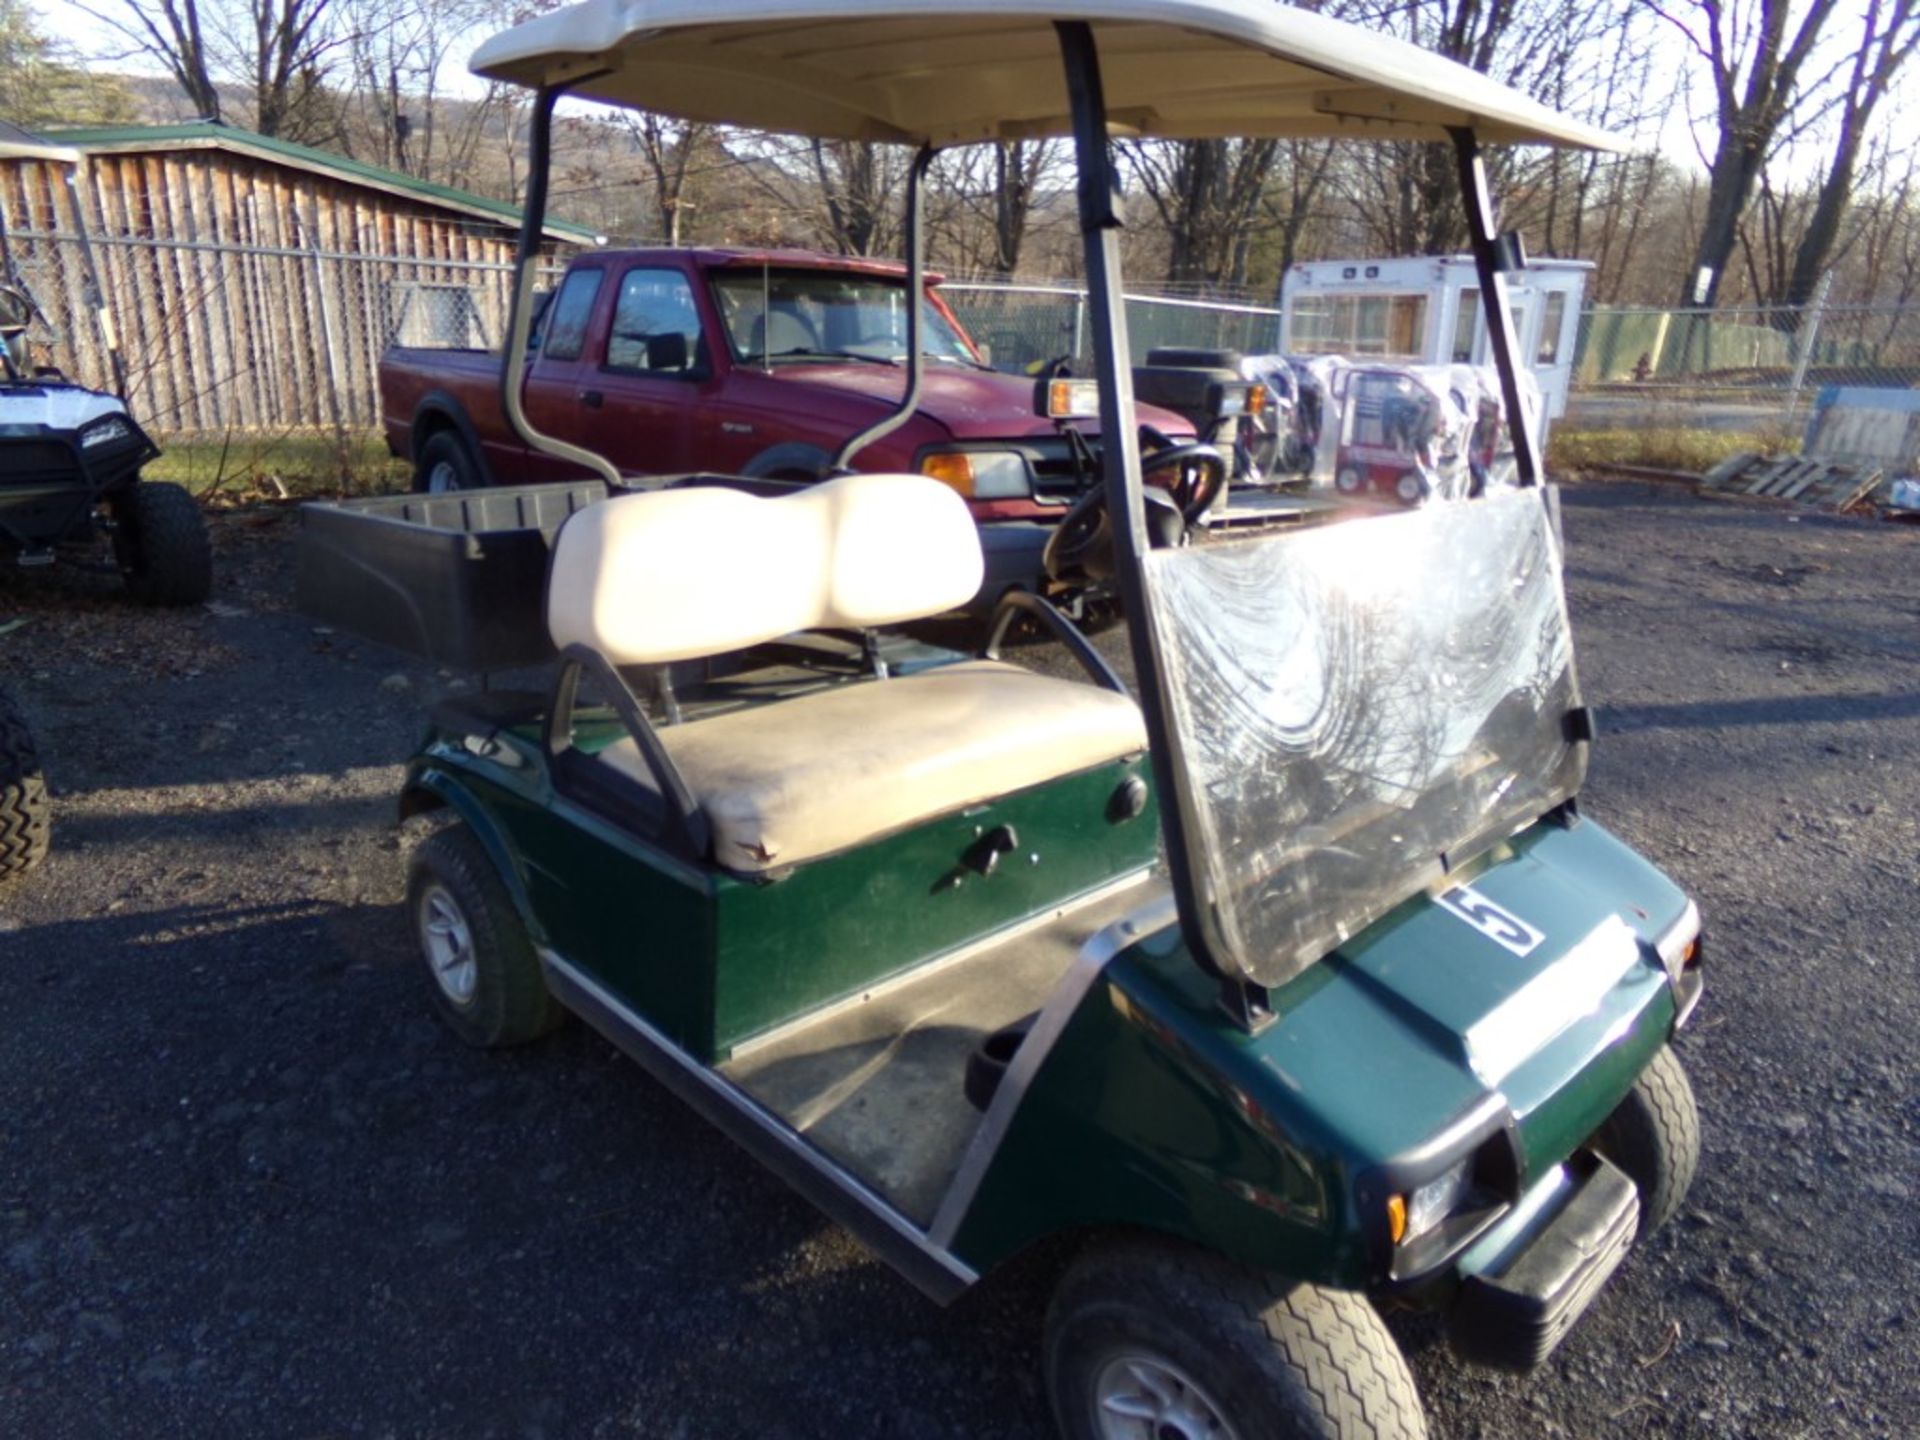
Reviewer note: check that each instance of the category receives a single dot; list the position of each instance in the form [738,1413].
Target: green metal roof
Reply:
[205,134]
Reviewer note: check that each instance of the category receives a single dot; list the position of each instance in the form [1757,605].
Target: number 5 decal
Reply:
[1499,925]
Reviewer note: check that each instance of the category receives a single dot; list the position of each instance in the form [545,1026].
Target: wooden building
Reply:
[254,281]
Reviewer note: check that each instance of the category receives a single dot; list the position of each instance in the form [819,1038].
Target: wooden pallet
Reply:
[1802,479]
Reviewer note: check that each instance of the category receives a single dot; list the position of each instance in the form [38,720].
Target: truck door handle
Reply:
[592,399]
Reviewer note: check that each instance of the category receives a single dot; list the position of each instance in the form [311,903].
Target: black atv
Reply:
[70,461]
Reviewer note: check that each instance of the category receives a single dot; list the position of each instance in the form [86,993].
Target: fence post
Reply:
[1079,320]
[1804,342]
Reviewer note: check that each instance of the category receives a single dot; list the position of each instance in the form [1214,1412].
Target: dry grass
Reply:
[303,464]
[1657,446]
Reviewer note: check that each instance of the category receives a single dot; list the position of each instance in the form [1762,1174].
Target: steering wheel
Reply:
[1201,472]
[1081,545]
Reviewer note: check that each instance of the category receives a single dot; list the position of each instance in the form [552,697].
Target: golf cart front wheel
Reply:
[160,540]
[23,797]
[483,974]
[1152,1341]
[1654,1136]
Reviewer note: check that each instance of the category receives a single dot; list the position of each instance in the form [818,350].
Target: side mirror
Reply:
[1510,252]
[16,310]
[668,351]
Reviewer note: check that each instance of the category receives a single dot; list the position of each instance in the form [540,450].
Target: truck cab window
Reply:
[565,330]
[656,326]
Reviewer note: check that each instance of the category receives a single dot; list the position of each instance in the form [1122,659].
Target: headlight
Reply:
[105,432]
[1414,1214]
[980,474]
[1679,947]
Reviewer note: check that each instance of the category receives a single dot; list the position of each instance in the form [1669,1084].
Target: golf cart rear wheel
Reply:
[23,797]
[1166,1342]
[481,970]
[160,540]
[1654,1136]
[1349,481]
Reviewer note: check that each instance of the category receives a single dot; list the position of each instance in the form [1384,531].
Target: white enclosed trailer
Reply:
[1427,310]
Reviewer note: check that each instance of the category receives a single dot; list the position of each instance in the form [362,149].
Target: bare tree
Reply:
[1754,52]
[1207,195]
[1890,31]
[668,148]
[281,51]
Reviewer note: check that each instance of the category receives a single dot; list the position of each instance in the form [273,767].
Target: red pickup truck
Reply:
[759,363]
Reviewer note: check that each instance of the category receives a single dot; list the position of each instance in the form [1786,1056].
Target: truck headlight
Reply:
[980,474]
[105,432]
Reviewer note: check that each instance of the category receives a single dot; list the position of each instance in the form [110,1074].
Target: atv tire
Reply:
[160,540]
[23,797]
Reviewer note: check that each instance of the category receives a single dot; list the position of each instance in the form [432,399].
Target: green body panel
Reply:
[710,958]
[846,921]
[1155,1111]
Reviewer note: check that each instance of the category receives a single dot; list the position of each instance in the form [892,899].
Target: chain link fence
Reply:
[1753,370]
[220,338]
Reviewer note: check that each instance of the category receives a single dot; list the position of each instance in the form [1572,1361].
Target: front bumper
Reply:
[1525,1283]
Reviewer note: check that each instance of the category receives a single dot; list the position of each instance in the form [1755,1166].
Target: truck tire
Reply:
[1654,1136]
[1150,1338]
[444,465]
[23,797]
[160,540]
[482,973]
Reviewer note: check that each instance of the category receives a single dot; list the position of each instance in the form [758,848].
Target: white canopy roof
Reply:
[956,71]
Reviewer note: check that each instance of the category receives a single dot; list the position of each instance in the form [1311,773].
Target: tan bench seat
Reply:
[789,782]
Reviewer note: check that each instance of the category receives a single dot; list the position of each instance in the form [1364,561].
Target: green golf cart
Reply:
[1288,983]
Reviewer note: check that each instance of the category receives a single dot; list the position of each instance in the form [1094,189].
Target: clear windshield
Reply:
[1358,707]
[804,314]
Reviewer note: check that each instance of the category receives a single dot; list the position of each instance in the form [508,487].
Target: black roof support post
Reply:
[1487,261]
[1120,460]
[916,319]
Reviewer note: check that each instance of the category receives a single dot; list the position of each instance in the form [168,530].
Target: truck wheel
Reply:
[1349,482]
[1164,1342]
[444,465]
[1654,1136]
[485,979]
[160,540]
[23,797]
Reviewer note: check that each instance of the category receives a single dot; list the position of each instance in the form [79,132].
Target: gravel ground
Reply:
[248,1186]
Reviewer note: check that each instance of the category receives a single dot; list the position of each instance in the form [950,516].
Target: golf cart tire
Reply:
[510,1004]
[1349,482]
[1654,1136]
[162,545]
[23,797]
[445,451]
[1272,1358]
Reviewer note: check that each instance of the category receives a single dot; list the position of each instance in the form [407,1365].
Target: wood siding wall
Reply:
[248,294]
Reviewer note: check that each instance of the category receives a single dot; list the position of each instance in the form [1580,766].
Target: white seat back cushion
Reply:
[678,574]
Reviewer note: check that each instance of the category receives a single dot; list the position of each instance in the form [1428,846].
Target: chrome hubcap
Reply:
[441,478]
[1142,1397]
[448,941]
